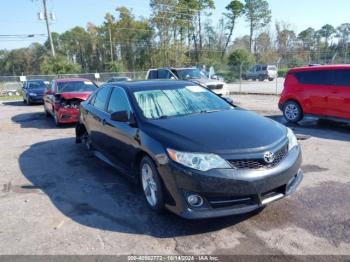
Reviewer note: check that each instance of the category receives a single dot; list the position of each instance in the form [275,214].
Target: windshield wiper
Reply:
[211,111]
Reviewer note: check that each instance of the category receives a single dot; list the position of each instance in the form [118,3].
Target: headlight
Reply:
[32,94]
[202,162]
[293,141]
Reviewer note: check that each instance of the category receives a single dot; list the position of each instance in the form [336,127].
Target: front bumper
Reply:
[67,115]
[36,99]
[230,192]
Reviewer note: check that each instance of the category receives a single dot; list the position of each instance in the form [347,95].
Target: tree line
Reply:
[180,33]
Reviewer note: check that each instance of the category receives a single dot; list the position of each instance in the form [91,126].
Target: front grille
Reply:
[260,163]
[218,86]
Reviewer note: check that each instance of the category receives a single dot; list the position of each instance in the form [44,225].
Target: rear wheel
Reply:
[151,185]
[271,79]
[261,78]
[292,112]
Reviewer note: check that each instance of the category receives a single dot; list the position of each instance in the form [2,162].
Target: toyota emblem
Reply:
[269,157]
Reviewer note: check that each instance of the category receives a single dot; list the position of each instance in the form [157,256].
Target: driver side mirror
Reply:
[123,116]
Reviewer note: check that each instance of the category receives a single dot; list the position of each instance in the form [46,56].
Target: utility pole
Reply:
[46,17]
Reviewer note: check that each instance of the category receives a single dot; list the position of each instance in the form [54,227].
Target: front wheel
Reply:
[151,185]
[292,112]
[56,119]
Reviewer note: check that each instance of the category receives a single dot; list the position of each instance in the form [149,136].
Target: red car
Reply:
[62,99]
[321,91]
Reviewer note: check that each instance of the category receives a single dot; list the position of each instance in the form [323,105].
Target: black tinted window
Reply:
[118,102]
[101,98]
[264,68]
[163,74]
[321,77]
[341,77]
[153,74]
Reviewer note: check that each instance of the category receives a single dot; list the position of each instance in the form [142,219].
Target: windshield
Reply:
[176,102]
[37,84]
[191,73]
[66,87]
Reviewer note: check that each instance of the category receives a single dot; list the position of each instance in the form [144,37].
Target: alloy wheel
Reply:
[149,184]
[292,112]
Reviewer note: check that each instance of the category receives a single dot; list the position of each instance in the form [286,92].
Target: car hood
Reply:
[76,95]
[225,132]
[207,81]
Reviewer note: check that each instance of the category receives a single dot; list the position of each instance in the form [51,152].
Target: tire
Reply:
[151,184]
[271,79]
[85,139]
[292,112]
[28,101]
[261,78]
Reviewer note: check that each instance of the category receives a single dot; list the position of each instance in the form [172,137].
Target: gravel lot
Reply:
[55,199]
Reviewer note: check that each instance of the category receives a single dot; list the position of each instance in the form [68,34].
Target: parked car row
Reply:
[192,151]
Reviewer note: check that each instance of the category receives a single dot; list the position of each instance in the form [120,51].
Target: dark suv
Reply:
[322,91]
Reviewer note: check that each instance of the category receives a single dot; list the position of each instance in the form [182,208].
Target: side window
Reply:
[341,77]
[258,68]
[119,101]
[101,98]
[163,74]
[264,68]
[153,74]
[321,77]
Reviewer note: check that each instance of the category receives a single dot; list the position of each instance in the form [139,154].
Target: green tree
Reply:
[258,15]
[308,38]
[235,10]
[327,31]
[240,57]
[58,65]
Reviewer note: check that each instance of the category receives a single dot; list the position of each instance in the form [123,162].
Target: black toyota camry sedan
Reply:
[193,153]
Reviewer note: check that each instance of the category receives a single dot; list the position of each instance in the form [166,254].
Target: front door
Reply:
[122,141]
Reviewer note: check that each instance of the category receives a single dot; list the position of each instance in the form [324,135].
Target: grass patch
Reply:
[10,98]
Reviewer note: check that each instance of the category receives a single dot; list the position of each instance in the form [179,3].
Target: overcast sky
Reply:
[20,16]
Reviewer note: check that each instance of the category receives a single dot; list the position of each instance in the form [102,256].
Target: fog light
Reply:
[195,200]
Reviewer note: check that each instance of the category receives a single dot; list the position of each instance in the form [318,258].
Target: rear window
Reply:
[274,68]
[341,77]
[321,77]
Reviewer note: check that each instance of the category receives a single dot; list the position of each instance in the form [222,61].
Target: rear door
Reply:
[315,89]
[339,100]
[94,118]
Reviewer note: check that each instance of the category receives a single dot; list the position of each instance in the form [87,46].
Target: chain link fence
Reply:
[235,79]
[12,85]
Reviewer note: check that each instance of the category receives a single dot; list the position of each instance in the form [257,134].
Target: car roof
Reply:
[66,80]
[153,84]
[319,67]
[36,80]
